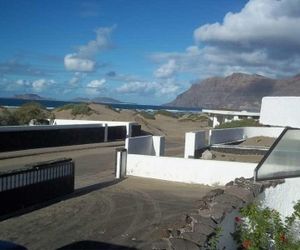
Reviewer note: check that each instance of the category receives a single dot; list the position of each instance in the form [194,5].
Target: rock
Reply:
[228,200]
[196,218]
[203,229]
[207,155]
[196,237]
[182,244]
[212,194]
[217,213]
[162,244]
[242,193]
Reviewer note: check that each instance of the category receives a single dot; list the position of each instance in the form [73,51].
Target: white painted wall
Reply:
[194,141]
[283,196]
[145,145]
[235,134]
[208,172]
[280,111]
[47,127]
[103,123]
[262,131]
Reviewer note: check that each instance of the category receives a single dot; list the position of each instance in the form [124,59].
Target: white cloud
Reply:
[264,37]
[95,86]
[76,79]
[84,59]
[166,70]
[75,63]
[41,84]
[149,88]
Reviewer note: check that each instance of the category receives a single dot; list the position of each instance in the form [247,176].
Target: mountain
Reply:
[30,97]
[237,91]
[99,99]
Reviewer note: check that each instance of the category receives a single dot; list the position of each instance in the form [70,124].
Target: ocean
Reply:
[51,104]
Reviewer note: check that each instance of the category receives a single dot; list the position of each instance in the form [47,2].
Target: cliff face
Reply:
[237,91]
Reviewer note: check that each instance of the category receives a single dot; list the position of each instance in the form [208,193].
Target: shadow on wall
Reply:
[87,244]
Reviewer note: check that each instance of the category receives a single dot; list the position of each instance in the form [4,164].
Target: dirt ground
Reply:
[259,141]
[131,213]
[236,157]
[173,129]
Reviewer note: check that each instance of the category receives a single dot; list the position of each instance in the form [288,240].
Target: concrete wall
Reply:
[146,145]
[193,142]
[283,196]
[128,125]
[226,135]
[235,134]
[280,111]
[208,172]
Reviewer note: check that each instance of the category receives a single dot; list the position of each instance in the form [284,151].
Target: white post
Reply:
[159,145]
[105,132]
[121,162]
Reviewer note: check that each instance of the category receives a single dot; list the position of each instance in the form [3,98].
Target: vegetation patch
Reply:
[194,118]
[166,113]
[77,109]
[147,115]
[263,228]
[240,123]
[24,114]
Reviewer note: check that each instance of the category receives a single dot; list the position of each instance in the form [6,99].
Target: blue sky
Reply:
[138,50]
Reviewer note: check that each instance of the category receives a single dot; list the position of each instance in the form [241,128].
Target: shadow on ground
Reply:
[78,192]
[91,245]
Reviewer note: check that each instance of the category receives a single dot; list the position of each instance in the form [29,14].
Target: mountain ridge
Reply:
[237,91]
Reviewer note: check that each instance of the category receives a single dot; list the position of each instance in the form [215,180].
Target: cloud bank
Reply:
[263,38]
[84,60]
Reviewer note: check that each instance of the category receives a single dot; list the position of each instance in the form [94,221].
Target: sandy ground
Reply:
[259,141]
[131,213]
[236,157]
[173,129]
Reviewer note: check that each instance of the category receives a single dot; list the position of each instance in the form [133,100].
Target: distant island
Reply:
[30,97]
[36,97]
[99,99]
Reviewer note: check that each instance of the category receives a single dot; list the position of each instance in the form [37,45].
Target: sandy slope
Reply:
[173,129]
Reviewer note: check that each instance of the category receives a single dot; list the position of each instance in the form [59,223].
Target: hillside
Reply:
[237,91]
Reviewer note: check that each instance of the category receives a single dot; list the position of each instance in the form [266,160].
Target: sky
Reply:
[142,51]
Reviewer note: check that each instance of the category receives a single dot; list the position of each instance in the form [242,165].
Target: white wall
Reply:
[47,127]
[208,172]
[103,123]
[280,111]
[145,145]
[236,134]
[283,196]
[194,141]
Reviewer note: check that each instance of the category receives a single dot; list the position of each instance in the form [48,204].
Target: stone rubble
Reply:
[197,228]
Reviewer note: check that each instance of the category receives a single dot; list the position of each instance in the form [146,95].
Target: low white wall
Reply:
[208,172]
[103,123]
[71,122]
[280,111]
[262,131]
[47,127]
[146,145]
[235,134]
[194,141]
